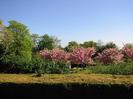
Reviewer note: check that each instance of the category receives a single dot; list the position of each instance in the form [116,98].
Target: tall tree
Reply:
[48,42]
[35,40]
[6,40]
[101,47]
[110,45]
[89,44]
[1,30]
[21,50]
[71,45]
[1,39]
[56,43]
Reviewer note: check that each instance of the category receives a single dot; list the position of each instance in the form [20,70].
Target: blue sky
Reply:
[79,20]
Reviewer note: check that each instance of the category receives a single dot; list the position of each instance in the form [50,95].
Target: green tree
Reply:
[56,43]
[110,45]
[89,44]
[6,40]
[1,22]
[71,45]
[129,45]
[1,30]
[21,49]
[1,39]
[35,40]
[48,42]
[102,47]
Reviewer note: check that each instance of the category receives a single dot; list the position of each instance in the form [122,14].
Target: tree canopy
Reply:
[48,42]
[71,45]
[17,43]
[87,44]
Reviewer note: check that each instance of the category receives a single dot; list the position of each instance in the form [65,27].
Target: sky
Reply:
[74,20]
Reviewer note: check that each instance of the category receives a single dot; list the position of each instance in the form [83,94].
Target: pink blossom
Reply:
[110,55]
[82,56]
[128,52]
[55,54]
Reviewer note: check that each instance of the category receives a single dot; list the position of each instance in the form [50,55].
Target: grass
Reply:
[67,78]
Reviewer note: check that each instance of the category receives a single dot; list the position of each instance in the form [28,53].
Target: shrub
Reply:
[33,66]
[40,66]
[110,56]
[120,69]
[53,62]
[58,67]
[37,64]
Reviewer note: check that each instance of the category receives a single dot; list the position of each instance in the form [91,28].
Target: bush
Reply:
[41,66]
[36,64]
[58,67]
[33,66]
[121,69]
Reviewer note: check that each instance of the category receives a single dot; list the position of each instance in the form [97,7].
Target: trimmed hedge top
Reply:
[67,78]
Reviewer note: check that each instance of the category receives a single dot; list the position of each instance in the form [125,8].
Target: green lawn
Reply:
[67,78]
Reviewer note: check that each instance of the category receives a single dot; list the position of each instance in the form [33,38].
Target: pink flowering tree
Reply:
[128,52]
[110,55]
[54,54]
[82,56]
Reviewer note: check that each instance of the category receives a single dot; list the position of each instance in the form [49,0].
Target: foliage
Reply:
[77,56]
[89,44]
[21,50]
[56,43]
[71,45]
[15,46]
[119,69]
[128,45]
[18,50]
[48,42]
[110,56]
[1,22]
[54,54]
[35,40]
[40,66]
[36,64]
[31,67]
[110,45]
[128,52]
[57,67]
[101,47]
[6,40]
[82,56]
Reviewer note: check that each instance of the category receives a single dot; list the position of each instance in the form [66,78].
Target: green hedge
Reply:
[120,69]
[37,65]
